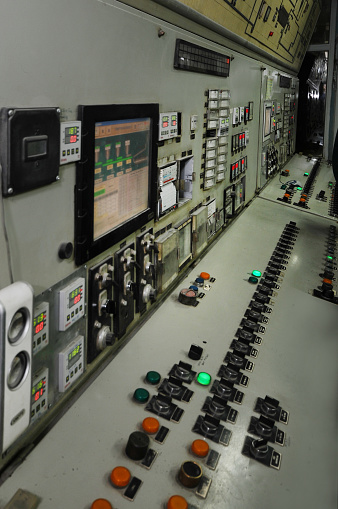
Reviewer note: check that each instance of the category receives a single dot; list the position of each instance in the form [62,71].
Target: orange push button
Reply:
[177,502]
[120,477]
[204,275]
[101,503]
[200,448]
[150,425]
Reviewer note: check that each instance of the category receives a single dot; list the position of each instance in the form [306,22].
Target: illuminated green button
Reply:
[203,378]
[256,273]
[253,280]
[330,258]
[141,395]
[306,174]
[299,188]
[153,377]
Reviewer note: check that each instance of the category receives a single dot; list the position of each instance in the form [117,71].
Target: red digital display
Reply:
[39,327]
[38,394]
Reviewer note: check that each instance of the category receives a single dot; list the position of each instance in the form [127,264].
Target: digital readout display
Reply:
[38,389]
[74,356]
[75,296]
[39,322]
[71,134]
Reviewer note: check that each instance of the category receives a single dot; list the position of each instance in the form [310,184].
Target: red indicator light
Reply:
[77,299]
[270,34]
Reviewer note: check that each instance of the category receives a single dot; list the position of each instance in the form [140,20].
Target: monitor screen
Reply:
[117,177]
[121,179]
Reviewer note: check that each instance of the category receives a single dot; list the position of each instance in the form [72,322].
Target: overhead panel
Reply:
[282,30]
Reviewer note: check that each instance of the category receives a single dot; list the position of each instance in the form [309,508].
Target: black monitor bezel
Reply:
[86,247]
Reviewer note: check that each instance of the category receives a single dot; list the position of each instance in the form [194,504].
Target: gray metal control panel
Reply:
[285,384]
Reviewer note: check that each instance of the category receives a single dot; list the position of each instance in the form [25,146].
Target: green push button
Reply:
[153,377]
[141,395]
[256,273]
[203,378]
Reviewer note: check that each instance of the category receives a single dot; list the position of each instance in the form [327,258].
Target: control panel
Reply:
[199,403]
[40,327]
[71,303]
[71,363]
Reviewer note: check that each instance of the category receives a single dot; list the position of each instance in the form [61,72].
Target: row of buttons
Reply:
[70,151]
[73,313]
[72,373]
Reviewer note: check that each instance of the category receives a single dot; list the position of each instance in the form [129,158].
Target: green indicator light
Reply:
[141,395]
[153,377]
[306,174]
[256,273]
[330,257]
[253,280]
[299,188]
[203,378]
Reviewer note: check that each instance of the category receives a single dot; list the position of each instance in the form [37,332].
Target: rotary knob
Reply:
[107,307]
[104,338]
[259,448]
[149,293]
[137,445]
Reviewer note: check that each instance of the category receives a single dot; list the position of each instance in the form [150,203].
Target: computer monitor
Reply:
[116,180]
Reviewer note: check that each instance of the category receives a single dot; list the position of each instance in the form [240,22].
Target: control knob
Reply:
[149,293]
[104,338]
[108,307]
[259,448]
[137,445]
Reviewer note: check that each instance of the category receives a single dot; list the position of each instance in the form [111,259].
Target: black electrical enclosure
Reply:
[29,148]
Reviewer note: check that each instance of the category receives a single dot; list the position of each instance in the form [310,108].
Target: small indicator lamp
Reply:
[330,258]
[306,174]
[299,188]
[203,378]
[253,280]
[256,273]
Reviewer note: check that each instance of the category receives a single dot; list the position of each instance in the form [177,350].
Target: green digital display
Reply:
[74,356]
[75,296]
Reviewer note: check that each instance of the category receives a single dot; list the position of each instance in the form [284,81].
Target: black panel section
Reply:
[284,82]
[283,16]
[124,287]
[190,57]
[86,245]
